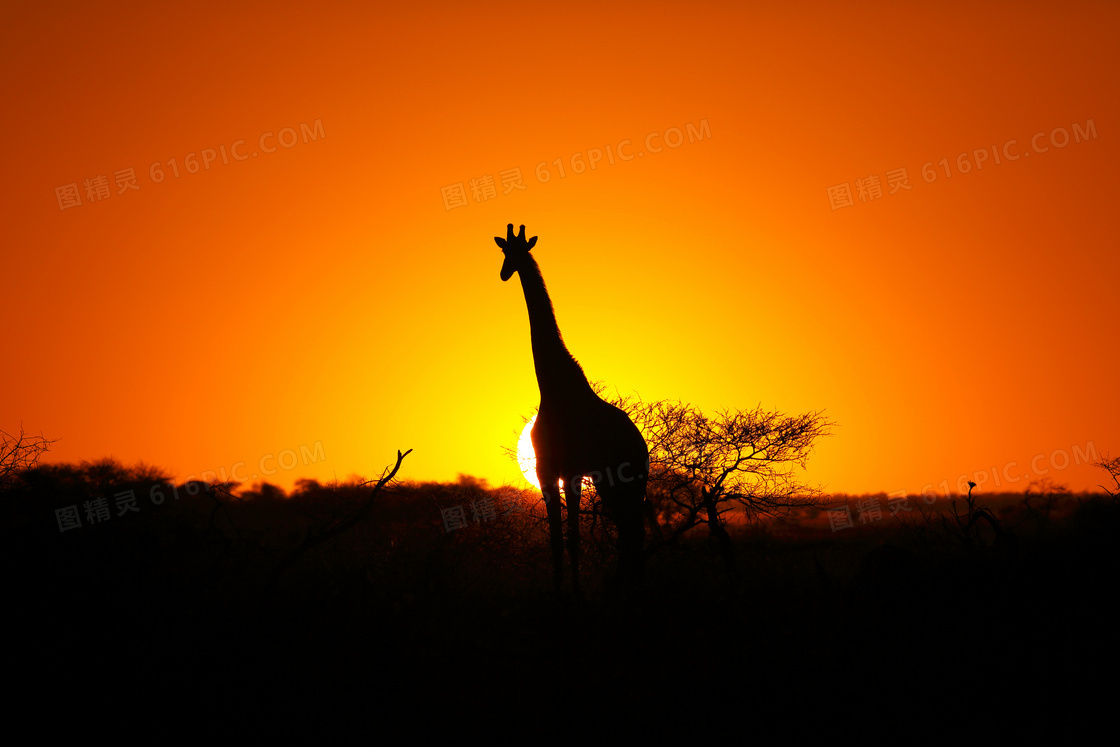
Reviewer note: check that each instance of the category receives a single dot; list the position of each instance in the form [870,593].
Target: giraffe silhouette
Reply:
[577,434]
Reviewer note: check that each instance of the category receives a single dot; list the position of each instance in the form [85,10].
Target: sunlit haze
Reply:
[258,241]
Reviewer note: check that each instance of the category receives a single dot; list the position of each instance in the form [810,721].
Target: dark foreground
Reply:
[171,604]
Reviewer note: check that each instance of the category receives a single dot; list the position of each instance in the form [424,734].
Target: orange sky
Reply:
[323,295]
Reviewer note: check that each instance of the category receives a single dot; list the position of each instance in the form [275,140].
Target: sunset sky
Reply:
[322,283]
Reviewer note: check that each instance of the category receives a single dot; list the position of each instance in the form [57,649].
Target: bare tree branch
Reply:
[18,453]
[333,528]
[1112,467]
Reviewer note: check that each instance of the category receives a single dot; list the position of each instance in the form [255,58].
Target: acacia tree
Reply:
[1112,467]
[703,467]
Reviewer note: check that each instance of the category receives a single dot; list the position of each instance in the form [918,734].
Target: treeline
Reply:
[192,584]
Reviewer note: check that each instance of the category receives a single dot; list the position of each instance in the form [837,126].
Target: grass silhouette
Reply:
[402,606]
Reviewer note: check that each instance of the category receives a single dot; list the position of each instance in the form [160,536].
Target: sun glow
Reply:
[526,458]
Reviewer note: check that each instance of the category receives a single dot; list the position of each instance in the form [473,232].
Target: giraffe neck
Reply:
[558,373]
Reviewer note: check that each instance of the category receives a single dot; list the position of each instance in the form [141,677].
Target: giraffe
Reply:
[577,434]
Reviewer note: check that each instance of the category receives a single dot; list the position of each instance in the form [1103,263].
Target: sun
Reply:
[526,458]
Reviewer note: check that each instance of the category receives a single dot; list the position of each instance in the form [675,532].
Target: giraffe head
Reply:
[516,249]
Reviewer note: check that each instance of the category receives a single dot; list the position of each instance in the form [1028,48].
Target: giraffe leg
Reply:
[550,487]
[572,493]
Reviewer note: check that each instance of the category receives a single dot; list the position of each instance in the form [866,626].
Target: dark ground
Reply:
[400,617]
